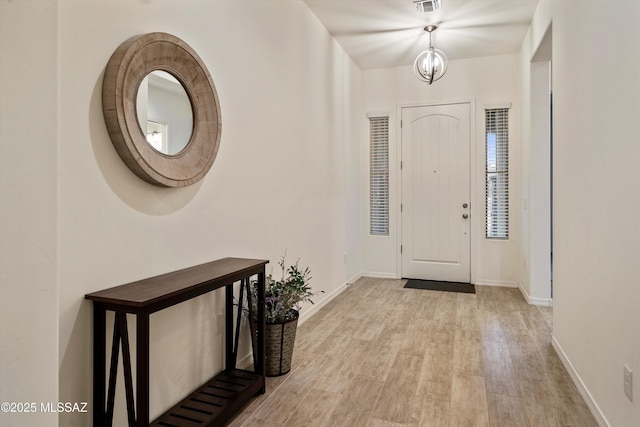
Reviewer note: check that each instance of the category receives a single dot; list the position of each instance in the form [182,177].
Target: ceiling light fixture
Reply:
[431,64]
[427,5]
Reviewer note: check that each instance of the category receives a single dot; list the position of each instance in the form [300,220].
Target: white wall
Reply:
[535,205]
[287,176]
[488,80]
[596,294]
[538,191]
[535,202]
[28,209]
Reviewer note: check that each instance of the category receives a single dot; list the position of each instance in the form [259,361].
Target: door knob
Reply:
[464,205]
[465,216]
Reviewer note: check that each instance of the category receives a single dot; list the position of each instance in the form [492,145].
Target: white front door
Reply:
[436,193]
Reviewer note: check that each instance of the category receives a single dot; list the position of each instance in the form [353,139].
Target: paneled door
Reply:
[435,210]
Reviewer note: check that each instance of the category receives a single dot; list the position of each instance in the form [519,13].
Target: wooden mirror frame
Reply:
[130,63]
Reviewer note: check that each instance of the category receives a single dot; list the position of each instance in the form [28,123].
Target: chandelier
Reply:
[431,64]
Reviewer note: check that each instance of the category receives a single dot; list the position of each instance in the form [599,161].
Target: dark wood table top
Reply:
[168,289]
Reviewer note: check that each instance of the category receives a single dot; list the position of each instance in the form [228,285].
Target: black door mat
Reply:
[433,285]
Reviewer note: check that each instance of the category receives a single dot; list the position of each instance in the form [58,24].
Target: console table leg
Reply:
[247,284]
[99,362]
[126,364]
[113,370]
[236,339]
[142,369]
[228,327]
[259,361]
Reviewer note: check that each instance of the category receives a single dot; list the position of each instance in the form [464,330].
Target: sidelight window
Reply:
[497,173]
[379,175]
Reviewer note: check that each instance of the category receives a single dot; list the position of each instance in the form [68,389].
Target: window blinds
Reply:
[379,175]
[497,173]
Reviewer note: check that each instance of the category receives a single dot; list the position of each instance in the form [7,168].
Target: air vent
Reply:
[427,5]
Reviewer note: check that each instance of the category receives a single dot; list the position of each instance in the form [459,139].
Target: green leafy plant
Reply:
[284,296]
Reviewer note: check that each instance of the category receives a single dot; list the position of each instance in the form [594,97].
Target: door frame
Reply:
[476,215]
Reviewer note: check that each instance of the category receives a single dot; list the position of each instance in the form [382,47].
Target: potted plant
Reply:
[282,304]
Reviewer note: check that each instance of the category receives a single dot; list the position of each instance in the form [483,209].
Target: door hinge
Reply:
[400,165]
[400,124]
[400,248]
[400,207]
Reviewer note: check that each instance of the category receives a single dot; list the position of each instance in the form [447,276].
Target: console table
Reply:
[215,401]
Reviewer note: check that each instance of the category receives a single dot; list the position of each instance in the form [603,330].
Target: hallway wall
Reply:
[286,178]
[596,325]
[28,209]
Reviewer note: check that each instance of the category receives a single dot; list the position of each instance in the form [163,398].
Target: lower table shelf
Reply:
[215,402]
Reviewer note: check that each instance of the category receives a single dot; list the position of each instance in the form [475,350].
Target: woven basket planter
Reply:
[280,338]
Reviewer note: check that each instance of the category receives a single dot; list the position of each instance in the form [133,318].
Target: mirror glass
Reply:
[164,112]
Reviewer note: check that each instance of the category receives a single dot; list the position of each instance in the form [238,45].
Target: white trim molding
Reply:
[506,105]
[379,114]
[379,275]
[545,302]
[499,283]
[582,388]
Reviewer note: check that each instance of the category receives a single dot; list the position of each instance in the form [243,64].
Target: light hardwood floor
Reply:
[380,355]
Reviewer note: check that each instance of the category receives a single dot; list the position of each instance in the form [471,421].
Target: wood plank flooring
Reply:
[379,355]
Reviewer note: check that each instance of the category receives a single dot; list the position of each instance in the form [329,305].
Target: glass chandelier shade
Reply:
[431,64]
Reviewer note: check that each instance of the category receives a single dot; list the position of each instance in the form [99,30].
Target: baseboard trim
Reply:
[582,388]
[354,279]
[246,362]
[379,275]
[498,283]
[544,302]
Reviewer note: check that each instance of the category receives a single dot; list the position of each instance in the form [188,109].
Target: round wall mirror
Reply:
[156,84]
[164,112]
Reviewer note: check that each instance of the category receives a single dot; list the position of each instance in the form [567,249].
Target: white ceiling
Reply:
[389,33]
